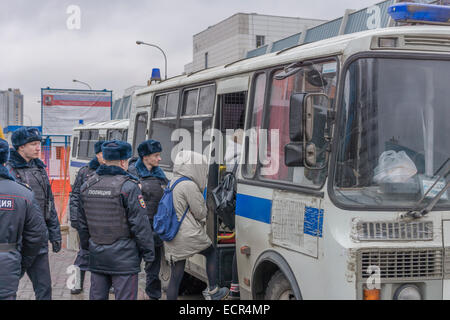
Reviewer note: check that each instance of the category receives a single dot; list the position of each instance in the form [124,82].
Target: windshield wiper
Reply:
[420,212]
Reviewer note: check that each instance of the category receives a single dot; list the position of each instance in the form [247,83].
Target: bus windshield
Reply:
[393,136]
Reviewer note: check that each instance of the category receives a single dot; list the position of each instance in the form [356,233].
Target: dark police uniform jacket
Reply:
[22,232]
[34,175]
[113,224]
[83,174]
[153,184]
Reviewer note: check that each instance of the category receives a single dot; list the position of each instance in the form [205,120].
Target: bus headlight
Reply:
[408,292]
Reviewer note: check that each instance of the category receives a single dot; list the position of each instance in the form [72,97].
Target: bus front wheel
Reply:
[279,288]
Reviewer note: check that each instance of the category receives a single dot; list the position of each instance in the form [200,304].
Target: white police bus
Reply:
[343,139]
[85,136]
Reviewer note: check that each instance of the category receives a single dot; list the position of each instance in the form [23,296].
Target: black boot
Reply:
[78,291]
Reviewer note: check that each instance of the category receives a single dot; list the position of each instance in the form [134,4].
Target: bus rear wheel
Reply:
[279,288]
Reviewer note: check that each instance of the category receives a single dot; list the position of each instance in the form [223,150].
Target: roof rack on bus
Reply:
[194,72]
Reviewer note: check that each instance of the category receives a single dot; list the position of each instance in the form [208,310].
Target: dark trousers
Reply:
[9,298]
[153,284]
[125,286]
[177,272]
[39,274]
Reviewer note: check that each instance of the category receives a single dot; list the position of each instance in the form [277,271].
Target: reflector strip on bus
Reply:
[77,164]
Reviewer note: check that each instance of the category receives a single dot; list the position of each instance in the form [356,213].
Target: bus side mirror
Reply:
[293,154]
[309,118]
[316,104]
[296,117]
[304,110]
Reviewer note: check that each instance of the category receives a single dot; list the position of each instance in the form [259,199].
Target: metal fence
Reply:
[56,158]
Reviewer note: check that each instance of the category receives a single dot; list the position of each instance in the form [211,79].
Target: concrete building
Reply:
[230,39]
[11,108]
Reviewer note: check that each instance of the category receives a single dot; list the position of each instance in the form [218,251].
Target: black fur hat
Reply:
[116,150]
[98,146]
[25,135]
[4,151]
[149,147]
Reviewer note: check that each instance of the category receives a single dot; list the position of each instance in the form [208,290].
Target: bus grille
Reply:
[394,231]
[402,264]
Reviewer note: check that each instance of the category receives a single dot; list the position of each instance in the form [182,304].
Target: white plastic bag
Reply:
[394,167]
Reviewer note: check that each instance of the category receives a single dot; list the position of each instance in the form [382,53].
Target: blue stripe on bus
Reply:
[77,164]
[254,208]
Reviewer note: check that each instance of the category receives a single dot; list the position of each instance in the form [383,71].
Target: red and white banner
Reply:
[62,109]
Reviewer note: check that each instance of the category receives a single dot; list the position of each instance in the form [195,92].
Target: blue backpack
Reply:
[165,222]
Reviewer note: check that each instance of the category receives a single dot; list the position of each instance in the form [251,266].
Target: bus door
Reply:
[227,139]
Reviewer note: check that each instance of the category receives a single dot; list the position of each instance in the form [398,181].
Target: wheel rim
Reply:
[287,295]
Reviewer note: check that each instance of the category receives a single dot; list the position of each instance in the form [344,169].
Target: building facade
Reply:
[230,39]
[11,108]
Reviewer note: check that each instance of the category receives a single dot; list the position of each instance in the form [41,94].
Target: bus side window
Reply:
[84,143]
[140,130]
[313,79]
[254,125]
[94,136]
[196,118]
[232,116]
[75,147]
[164,122]
[117,134]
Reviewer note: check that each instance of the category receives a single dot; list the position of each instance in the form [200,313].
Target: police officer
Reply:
[153,181]
[83,174]
[22,229]
[25,166]
[113,226]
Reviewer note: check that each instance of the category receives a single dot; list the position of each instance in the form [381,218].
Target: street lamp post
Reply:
[75,80]
[165,58]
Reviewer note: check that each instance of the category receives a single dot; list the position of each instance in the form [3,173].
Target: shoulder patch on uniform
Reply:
[141,201]
[6,203]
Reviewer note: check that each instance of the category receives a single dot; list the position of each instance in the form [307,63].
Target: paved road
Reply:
[58,266]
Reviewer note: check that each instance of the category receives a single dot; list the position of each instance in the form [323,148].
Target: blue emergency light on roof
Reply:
[156,75]
[419,12]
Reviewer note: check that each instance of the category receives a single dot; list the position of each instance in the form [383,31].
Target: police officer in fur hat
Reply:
[153,181]
[113,226]
[26,167]
[83,174]
[22,229]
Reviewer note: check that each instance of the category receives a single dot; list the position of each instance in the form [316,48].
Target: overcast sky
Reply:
[37,49]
